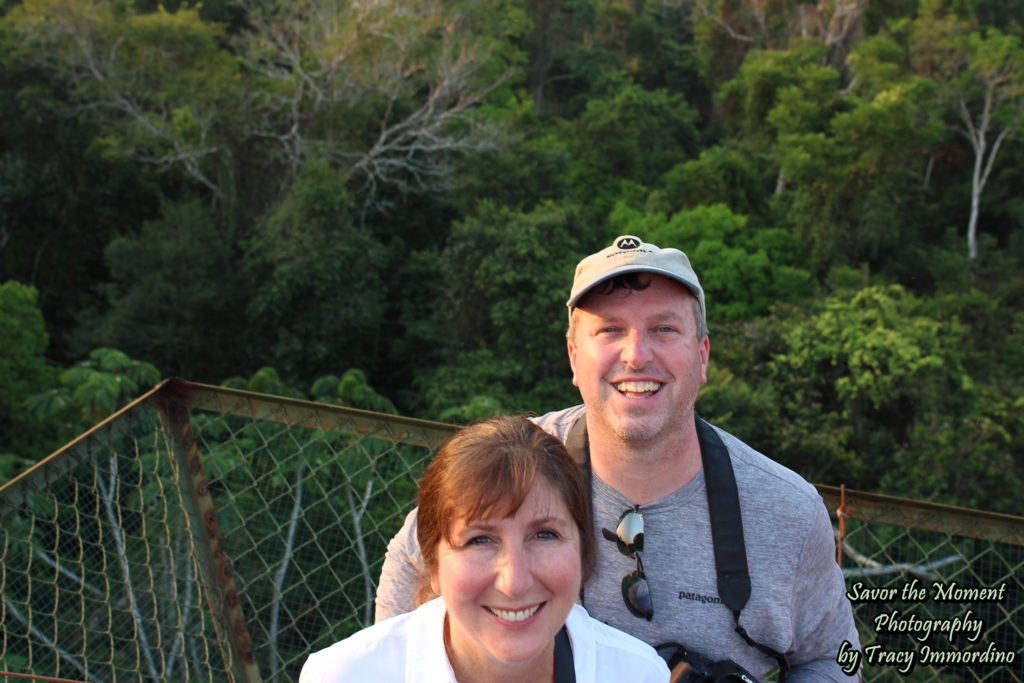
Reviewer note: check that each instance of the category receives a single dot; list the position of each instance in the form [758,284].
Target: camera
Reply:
[692,667]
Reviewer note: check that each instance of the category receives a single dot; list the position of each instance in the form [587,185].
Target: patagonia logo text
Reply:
[697,597]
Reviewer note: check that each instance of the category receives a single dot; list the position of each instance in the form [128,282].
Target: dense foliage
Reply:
[279,195]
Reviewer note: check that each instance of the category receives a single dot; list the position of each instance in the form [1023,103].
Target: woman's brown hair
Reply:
[489,468]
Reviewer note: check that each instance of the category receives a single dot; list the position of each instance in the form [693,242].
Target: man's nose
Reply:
[636,350]
[514,574]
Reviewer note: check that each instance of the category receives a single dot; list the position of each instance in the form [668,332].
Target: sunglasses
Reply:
[629,537]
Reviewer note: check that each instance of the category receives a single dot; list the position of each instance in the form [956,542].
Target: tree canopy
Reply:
[380,204]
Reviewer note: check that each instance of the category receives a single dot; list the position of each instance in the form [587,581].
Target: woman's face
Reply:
[509,583]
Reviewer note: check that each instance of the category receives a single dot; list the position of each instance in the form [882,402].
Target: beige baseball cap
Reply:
[630,254]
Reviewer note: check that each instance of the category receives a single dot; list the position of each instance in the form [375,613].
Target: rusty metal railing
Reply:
[204,533]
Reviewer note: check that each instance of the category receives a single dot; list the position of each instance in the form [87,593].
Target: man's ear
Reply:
[705,356]
[572,359]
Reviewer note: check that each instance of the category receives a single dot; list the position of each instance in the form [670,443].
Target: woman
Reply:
[504,527]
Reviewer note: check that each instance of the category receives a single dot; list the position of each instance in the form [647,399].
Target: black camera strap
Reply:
[726,523]
[727,534]
[565,670]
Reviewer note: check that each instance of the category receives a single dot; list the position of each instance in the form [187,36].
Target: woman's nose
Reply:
[514,576]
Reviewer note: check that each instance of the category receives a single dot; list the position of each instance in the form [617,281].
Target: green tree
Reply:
[23,373]
[318,289]
[742,270]
[393,95]
[177,295]
[579,50]
[62,198]
[265,380]
[162,88]
[91,391]
[734,174]
[503,313]
[849,163]
[860,373]
[779,91]
[352,390]
[979,75]
[851,189]
[626,140]
[726,29]
[970,458]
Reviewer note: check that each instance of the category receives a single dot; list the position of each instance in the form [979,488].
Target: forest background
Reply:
[380,204]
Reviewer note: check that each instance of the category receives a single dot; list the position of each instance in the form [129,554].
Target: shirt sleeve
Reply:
[401,573]
[822,614]
[313,670]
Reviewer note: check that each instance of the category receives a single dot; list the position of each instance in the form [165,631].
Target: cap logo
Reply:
[627,243]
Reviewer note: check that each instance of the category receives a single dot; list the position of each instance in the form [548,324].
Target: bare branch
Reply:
[113,519]
[282,571]
[871,567]
[405,78]
[357,515]
[100,58]
[42,555]
[12,609]
[706,12]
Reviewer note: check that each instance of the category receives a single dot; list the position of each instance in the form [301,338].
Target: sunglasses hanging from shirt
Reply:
[629,537]
[726,534]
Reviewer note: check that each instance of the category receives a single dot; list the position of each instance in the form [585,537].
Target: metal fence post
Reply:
[215,567]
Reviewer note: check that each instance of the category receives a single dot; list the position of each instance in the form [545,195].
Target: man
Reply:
[638,349]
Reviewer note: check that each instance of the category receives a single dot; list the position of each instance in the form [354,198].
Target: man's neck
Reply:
[648,470]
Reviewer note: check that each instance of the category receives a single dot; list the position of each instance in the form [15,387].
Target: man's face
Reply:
[636,360]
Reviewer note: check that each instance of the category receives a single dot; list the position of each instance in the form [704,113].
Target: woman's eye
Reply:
[547,534]
[479,540]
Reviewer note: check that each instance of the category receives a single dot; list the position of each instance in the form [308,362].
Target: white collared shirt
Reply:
[410,648]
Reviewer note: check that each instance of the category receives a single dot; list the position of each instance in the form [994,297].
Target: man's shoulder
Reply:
[758,473]
[559,422]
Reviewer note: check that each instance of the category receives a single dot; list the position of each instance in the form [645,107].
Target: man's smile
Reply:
[634,389]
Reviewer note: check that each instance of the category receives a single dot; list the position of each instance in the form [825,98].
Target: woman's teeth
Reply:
[515,615]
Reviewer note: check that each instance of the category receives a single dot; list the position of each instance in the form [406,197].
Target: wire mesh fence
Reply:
[209,534]
[936,590]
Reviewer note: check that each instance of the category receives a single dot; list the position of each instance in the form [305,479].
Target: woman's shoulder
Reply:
[379,652]
[610,653]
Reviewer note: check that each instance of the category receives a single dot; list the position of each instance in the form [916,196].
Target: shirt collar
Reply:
[427,660]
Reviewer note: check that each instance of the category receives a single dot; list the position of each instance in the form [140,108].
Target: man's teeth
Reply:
[637,387]
[516,615]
